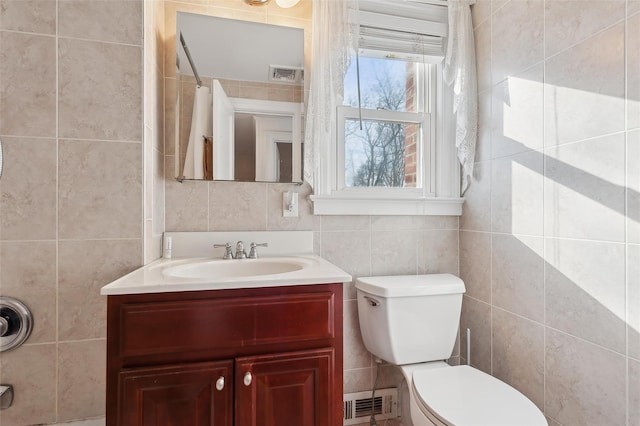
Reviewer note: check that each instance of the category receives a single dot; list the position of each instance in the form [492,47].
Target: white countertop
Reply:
[154,278]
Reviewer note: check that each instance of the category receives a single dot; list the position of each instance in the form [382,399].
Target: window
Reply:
[381,143]
[393,150]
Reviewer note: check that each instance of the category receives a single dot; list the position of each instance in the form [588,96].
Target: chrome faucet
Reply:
[240,253]
[253,252]
[227,252]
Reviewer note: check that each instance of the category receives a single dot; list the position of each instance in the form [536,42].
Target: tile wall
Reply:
[71,195]
[550,234]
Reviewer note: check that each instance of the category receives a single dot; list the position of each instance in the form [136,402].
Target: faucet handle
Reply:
[240,253]
[227,252]
[253,253]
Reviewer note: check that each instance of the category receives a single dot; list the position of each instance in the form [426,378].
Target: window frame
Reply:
[440,192]
[425,148]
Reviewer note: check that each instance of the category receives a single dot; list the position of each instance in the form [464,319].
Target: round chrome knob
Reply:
[220,383]
[247,379]
[16,323]
[4,326]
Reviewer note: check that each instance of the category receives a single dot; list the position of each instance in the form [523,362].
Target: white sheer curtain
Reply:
[333,41]
[460,71]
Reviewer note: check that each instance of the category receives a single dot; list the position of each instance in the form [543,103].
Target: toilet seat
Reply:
[464,396]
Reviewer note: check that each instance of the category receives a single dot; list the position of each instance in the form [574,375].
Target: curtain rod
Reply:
[193,66]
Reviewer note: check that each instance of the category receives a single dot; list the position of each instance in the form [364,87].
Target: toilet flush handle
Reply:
[372,302]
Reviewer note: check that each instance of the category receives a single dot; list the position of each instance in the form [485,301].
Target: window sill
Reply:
[332,205]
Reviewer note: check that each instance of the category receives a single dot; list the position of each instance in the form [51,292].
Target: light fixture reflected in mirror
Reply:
[285,4]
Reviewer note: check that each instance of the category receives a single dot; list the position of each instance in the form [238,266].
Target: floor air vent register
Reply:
[358,406]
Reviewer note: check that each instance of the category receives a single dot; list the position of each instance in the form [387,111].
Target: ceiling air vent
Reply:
[358,406]
[282,74]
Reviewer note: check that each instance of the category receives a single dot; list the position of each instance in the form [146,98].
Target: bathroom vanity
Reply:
[241,352]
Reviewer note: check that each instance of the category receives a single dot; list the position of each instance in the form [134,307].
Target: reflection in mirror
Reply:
[243,122]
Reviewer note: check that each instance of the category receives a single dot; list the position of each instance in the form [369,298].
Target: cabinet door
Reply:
[292,389]
[183,395]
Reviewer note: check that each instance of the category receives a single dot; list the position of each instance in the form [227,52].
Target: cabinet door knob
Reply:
[247,379]
[220,383]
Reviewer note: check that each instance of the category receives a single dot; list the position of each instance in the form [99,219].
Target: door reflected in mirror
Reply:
[239,115]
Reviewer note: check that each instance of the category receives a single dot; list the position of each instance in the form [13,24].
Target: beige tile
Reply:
[438,252]
[85,267]
[305,221]
[100,90]
[440,222]
[517,194]
[586,177]
[28,189]
[358,380]
[390,376]
[34,16]
[476,210]
[585,384]
[96,20]
[585,290]
[518,275]
[187,204]
[393,253]
[28,85]
[516,38]
[475,264]
[317,243]
[31,369]
[100,190]
[483,55]
[483,145]
[517,117]
[584,92]
[512,337]
[497,4]
[476,316]
[634,392]
[569,22]
[349,250]
[552,422]
[355,353]
[480,12]
[633,300]
[81,379]
[633,187]
[633,6]
[396,223]
[345,223]
[28,273]
[237,206]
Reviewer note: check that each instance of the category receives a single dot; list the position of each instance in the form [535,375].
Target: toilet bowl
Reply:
[412,322]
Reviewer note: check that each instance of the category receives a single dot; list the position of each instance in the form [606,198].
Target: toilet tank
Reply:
[408,319]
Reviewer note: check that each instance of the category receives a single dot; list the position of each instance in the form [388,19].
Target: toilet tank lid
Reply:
[411,285]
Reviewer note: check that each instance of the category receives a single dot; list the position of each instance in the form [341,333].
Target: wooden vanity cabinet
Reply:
[246,357]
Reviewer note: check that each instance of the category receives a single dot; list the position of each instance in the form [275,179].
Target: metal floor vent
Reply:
[358,406]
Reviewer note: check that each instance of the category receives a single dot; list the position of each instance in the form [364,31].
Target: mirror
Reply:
[239,103]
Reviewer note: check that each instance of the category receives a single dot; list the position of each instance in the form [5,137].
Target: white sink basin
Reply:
[229,269]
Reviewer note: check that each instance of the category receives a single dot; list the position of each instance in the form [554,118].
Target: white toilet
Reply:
[412,321]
